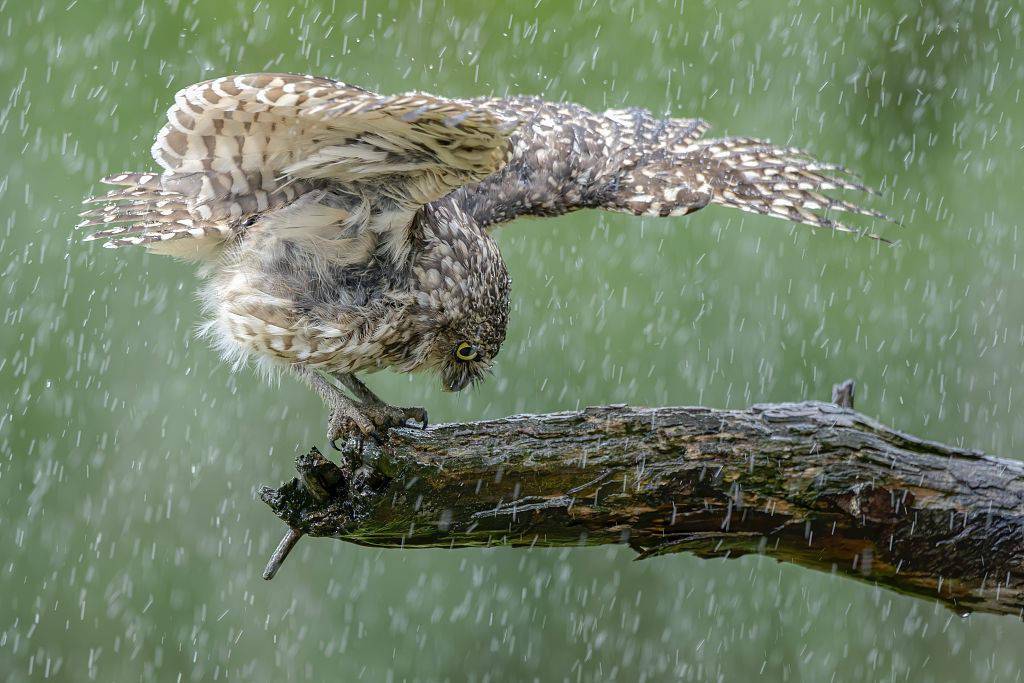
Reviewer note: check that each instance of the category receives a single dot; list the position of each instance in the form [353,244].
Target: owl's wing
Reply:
[237,146]
[565,157]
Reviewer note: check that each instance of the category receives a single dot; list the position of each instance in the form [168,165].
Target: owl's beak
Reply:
[456,384]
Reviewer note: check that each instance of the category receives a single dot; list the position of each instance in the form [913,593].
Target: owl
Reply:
[340,232]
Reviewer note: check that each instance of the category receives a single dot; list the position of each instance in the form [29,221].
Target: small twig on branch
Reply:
[291,537]
[814,484]
[842,394]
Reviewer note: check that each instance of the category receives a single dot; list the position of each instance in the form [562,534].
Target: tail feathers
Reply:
[164,210]
[151,214]
[132,194]
[785,182]
[151,233]
[135,181]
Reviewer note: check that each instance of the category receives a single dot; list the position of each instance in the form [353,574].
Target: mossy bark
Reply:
[811,483]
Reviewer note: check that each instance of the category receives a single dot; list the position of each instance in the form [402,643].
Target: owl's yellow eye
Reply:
[466,351]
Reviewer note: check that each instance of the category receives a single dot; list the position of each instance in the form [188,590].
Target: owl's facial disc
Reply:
[466,364]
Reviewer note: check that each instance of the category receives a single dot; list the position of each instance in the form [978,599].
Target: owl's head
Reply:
[464,355]
[463,292]
[470,328]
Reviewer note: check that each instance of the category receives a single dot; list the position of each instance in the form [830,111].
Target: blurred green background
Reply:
[131,544]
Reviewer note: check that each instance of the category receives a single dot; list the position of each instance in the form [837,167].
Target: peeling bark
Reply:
[813,484]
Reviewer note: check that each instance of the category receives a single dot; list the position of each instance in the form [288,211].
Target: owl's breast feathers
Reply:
[360,306]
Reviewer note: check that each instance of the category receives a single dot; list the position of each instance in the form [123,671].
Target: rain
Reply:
[130,454]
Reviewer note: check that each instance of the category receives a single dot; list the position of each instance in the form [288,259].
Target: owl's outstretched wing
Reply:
[237,146]
[565,157]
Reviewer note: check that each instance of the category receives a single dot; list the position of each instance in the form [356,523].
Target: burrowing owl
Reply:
[341,231]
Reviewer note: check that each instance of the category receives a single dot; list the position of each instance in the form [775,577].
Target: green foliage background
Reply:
[131,542]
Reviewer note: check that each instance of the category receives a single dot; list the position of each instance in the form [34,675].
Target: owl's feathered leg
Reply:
[346,418]
[368,416]
[384,414]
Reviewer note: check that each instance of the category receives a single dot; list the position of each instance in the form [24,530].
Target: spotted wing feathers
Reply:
[566,158]
[237,146]
[144,213]
[784,182]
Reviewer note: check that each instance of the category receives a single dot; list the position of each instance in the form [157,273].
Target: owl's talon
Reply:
[384,417]
[418,415]
[365,417]
[346,421]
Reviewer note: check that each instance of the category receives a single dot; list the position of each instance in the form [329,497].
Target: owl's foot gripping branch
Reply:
[814,484]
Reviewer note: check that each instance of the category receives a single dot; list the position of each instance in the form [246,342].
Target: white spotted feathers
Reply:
[358,222]
[567,158]
[785,182]
[237,146]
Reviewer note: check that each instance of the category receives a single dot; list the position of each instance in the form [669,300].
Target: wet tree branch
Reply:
[815,484]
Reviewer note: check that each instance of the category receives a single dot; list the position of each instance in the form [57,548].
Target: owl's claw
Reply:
[385,417]
[417,415]
[369,421]
[347,420]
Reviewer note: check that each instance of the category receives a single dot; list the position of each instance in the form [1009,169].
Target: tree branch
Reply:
[810,483]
